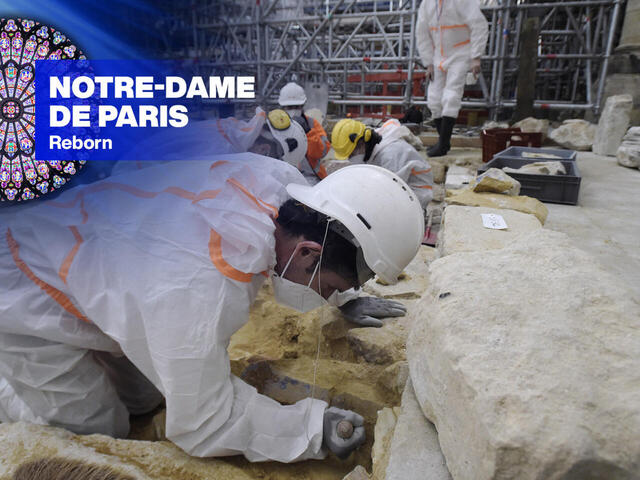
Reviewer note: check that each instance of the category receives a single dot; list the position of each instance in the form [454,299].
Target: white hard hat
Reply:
[377,207]
[292,94]
[290,135]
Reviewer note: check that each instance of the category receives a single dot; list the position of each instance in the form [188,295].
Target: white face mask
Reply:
[294,112]
[295,295]
[356,159]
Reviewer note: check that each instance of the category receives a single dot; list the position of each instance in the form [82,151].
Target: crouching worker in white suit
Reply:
[451,37]
[117,293]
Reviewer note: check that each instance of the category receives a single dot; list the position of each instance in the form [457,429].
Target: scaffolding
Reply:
[365,50]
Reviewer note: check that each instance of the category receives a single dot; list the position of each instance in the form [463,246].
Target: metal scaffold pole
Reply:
[366,51]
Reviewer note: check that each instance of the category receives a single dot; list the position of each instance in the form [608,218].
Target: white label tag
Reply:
[493,221]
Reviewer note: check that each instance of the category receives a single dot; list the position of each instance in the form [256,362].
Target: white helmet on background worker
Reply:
[289,134]
[292,94]
[379,210]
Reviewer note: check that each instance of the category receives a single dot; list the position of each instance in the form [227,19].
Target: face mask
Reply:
[299,297]
[355,159]
[293,112]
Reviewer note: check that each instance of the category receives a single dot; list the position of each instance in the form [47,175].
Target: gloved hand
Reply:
[367,311]
[430,72]
[332,440]
[476,66]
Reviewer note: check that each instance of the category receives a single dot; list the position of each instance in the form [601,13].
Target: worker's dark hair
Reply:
[375,139]
[62,469]
[339,254]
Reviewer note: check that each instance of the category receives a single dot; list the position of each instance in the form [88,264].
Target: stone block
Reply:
[613,124]
[496,200]
[574,134]
[526,360]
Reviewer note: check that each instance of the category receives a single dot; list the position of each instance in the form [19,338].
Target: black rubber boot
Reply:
[444,142]
[438,123]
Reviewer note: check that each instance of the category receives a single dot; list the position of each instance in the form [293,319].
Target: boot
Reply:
[438,123]
[444,142]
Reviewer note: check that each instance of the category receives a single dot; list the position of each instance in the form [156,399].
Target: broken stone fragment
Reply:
[495,200]
[613,124]
[529,366]
[383,433]
[628,154]
[459,177]
[415,452]
[574,134]
[463,230]
[496,181]
[382,346]
[539,168]
[533,125]
[358,473]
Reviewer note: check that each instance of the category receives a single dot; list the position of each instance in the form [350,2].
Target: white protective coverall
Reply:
[449,33]
[159,264]
[395,154]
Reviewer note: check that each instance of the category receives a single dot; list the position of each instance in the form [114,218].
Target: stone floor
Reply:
[606,221]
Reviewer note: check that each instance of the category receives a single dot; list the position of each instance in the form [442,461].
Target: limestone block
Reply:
[415,450]
[23,442]
[382,346]
[540,168]
[459,177]
[533,125]
[628,154]
[496,181]
[463,230]
[526,359]
[574,134]
[383,433]
[496,200]
[613,124]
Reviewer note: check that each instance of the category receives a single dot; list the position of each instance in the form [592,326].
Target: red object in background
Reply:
[495,140]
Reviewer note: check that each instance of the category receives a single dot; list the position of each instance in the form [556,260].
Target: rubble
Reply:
[533,125]
[525,358]
[385,427]
[496,181]
[415,451]
[540,168]
[613,124]
[463,230]
[574,134]
[459,177]
[496,200]
[628,153]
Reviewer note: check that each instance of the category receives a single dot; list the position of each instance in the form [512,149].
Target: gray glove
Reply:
[367,311]
[332,439]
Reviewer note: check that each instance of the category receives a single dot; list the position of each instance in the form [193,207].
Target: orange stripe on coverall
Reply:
[215,252]
[419,172]
[262,205]
[59,297]
[426,187]
[66,264]
[461,43]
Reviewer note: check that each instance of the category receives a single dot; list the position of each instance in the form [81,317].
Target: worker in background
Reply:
[127,290]
[451,36]
[384,147]
[292,99]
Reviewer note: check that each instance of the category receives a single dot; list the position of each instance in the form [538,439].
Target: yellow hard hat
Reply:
[345,136]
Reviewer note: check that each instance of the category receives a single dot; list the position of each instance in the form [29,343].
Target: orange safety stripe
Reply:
[206,195]
[440,67]
[270,209]
[215,252]
[66,264]
[426,187]
[419,172]
[59,297]
[461,43]
[223,133]
[218,163]
[448,27]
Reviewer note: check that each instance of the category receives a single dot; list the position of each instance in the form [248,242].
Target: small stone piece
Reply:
[574,134]
[496,181]
[613,124]
[540,168]
[358,473]
[345,429]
